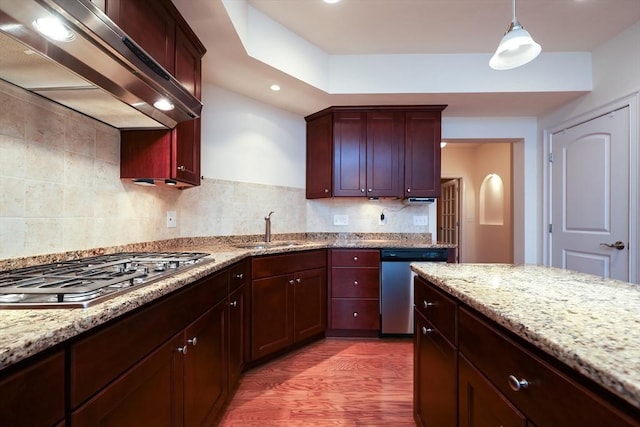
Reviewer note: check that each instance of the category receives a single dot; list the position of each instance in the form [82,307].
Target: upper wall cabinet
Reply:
[374,152]
[172,156]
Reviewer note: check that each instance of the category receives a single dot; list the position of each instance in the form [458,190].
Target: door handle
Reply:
[617,245]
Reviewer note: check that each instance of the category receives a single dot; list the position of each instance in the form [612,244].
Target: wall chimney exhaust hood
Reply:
[99,72]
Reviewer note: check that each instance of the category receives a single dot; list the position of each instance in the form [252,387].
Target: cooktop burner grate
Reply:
[86,281]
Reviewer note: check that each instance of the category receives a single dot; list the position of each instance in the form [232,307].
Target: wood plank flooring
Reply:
[333,382]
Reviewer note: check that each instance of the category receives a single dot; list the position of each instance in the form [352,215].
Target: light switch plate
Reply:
[341,220]
[172,219]
[420,220]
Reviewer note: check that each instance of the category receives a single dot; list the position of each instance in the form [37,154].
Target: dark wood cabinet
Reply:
[354,299]
[391,151]
[481,404]
[288,300]
[32,393]
[422,154]
[171,156]
[435,358]
[239,321]
[149,24]
[319,157]
[500,378]
[166,364]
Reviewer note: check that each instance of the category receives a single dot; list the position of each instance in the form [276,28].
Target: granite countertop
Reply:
[588,323]
[26,332]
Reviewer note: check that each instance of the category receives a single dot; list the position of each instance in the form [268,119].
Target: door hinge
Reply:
[550,157]
[550,228]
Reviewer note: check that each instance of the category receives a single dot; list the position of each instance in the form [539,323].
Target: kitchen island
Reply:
[589,325]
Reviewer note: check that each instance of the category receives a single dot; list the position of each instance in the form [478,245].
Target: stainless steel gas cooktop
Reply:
[87,281]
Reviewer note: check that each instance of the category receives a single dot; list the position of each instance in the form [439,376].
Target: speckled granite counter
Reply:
[588,323]
[25,332]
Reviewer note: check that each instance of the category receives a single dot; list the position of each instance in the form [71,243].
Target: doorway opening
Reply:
[449,213]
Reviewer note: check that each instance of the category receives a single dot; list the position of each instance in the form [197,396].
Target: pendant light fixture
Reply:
[516,48]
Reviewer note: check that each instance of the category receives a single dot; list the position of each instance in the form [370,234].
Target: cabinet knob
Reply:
[355,314]
[182,168]
[291,282]
[233,304]
[516,384]
[426,330]
[326,190]
[193,341]
[239,276]
[362,190]
[355,258]
[427,304]
[355,283]
[370,190]
[182,349]
[298,280]
[408,190]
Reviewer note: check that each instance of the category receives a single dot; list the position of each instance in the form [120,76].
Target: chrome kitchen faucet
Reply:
[267,227]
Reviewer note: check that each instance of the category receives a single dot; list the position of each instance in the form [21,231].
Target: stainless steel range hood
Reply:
[101,72]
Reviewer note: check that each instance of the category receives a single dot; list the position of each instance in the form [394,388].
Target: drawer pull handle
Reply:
[182,349]
[355,283]
[193,341]
[355,258]
[427,304]
[516,384]
[355,314]
[426,330]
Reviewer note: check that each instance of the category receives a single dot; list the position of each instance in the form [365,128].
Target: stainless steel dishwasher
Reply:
[396,287]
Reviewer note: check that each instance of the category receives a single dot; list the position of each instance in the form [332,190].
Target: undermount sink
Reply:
[266,245]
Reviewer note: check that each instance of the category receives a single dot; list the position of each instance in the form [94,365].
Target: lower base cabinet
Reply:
[288,301]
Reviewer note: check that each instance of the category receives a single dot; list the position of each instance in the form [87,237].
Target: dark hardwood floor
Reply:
[334,382]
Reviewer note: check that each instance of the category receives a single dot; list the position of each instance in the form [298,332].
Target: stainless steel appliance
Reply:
[396,287]
[87,281]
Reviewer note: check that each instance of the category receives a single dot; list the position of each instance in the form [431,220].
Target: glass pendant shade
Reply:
[516,48]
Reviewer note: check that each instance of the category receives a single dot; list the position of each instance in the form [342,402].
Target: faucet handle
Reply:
[268,216]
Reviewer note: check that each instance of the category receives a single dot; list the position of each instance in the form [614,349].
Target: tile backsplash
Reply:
[62,192]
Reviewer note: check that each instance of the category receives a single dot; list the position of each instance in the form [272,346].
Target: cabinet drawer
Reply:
[355,314]
[238,275]
[355,282]
[275,265]
[551,398]
[437,307]
[355,258]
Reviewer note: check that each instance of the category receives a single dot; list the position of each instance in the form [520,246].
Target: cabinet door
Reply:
[434,377]
[237,326]
[385,150]
[481,404]
[34,395]
[149,394]
[349,154]
[319,157]
[310,303]
[205,367]
[149,24]
[188,63]
[272,308]
[422,154]
[185,152]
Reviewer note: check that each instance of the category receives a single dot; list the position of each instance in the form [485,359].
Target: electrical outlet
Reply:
[341,220]
[172,219]
[420,220]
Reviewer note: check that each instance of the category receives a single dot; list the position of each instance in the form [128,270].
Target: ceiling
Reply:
[393,27]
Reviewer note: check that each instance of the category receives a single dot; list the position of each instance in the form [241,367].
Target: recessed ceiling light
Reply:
[331,1]
[53,28]
[275,87]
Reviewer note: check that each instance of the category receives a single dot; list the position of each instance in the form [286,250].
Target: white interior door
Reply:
[589,187]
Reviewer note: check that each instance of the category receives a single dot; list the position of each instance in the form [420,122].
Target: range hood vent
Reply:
[101,72]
